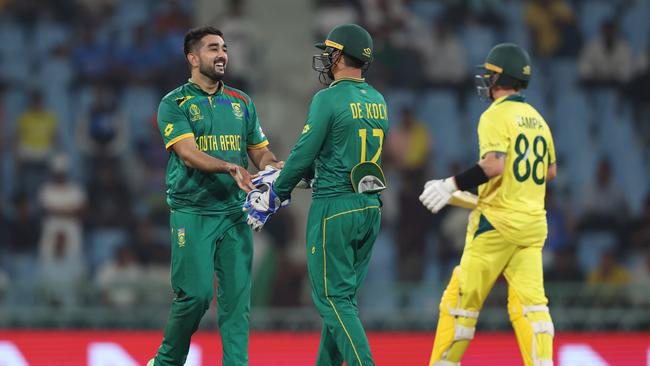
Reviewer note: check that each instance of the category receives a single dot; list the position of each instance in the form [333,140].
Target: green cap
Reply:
[509,59]
[367,177]
[352,40]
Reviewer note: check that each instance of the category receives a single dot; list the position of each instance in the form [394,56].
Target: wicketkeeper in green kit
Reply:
[340,147]
[210,131]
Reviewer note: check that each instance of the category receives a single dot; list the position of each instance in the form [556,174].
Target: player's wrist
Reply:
[470,178]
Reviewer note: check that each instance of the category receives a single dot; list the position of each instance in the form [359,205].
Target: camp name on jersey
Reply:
[529,122]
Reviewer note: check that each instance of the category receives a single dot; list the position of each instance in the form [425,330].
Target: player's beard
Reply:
[209,70]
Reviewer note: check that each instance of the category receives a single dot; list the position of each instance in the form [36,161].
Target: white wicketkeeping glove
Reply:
[260,204]
[437,193]
[266,176]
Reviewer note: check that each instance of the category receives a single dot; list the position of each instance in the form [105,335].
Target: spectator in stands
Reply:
[37,137]
[638,93]
[102,131]
[559,235]
[485,12]
[375,14]
[152,162]
[609,271]
[120,279]
[93,9]
[145,242]
[172,20]
[408,147]
[4,221]
[63,203]
[607,59]
[110,206]
[23,234]
[603,201]
[110,211]
[141,61]
[551,24]
[607,281]
[172,17]
[288,276]
[153,256]
[92,58]
[332,13]
[4,284]
[639,229]
[3,138]
[640,284]
[444,57]
[236,27]
[565,267]
[61,273]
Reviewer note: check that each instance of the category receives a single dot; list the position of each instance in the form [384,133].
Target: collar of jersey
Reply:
[198,88]
[511,98]
[357,80]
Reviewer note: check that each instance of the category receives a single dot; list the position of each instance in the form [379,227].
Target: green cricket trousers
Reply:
[203,245]
[341,232]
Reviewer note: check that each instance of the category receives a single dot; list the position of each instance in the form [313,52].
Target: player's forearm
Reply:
[206,163]
[263,157]
[196,159]
[294,170]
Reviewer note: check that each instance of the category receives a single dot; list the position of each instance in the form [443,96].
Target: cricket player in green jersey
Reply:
[210,131]
[340,145]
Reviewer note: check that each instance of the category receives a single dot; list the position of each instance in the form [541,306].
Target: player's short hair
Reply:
[193,37]
[352,62]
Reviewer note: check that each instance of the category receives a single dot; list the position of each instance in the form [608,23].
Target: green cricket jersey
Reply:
[346,125]
[223,125]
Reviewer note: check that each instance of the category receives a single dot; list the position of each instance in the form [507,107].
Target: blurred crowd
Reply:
[82,165]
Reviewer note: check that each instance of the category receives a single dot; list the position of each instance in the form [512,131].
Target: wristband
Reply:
[470,178]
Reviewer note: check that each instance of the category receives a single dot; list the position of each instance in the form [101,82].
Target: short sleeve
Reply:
[255,136]
[172,123]
[552,158]
[492,136]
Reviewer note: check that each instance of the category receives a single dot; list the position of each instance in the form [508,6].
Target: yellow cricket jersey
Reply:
[514,201]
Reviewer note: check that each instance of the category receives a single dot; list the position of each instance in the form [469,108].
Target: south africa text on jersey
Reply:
[218,142]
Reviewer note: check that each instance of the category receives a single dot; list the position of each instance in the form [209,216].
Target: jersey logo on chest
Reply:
[237,111]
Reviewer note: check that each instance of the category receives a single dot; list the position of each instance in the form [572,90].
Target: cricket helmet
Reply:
[507,65]
[351,39]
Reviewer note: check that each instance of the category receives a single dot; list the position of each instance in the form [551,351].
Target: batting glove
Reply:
[437,193]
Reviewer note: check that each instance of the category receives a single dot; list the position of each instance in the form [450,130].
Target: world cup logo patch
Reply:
[195,113]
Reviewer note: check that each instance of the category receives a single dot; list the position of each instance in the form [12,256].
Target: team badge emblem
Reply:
[195,113]
[181,237]
[236,110]
[526,70]
[367,52]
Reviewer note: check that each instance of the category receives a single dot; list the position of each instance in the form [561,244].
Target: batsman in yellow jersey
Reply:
[507,229]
